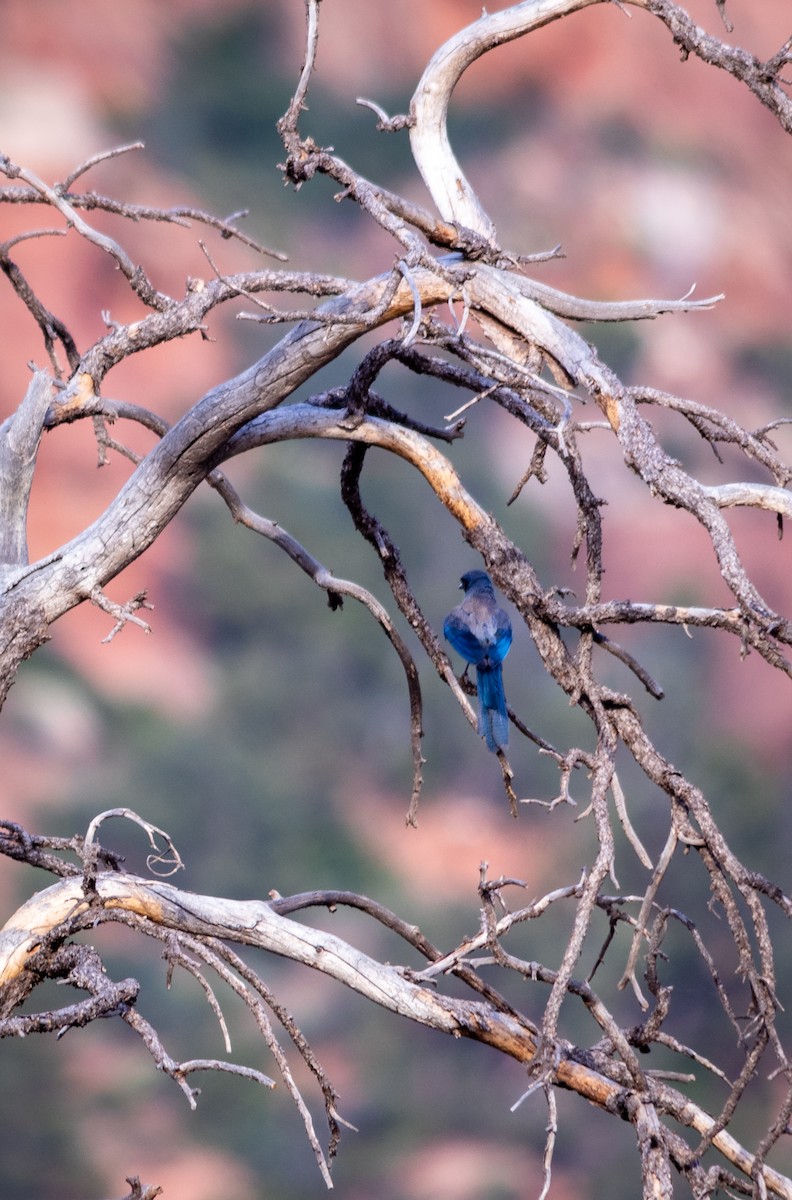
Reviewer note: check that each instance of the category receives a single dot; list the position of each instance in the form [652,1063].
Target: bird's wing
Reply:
[459,634]
[503,635]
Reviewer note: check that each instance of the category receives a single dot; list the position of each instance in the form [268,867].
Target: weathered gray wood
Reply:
[20,436]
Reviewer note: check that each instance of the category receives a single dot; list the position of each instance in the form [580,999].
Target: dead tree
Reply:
[512,340]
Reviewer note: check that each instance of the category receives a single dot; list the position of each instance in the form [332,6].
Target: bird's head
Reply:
[475,579]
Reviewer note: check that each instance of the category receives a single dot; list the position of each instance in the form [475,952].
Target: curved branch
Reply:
[191,448]
[762,78]
[452,193]
[158,488]
[751,495]
[306,421]
[448,186]
[336,589]
[254,923]
[576,308]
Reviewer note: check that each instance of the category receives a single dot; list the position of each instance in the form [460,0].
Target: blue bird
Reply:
[482,633]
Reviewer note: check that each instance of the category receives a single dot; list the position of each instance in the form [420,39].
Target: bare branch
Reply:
[20,435]
[135,275]
[336,589]
[95,159]
[167,857]
[760,77]
[512,347]
[124,613]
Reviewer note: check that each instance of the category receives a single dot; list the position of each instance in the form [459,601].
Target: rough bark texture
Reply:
[524,356]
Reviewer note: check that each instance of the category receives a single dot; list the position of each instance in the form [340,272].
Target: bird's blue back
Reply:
[477,629]
[481,632]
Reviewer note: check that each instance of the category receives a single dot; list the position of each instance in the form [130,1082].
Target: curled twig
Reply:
[163,861]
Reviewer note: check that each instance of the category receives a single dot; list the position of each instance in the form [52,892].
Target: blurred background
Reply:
[269,735]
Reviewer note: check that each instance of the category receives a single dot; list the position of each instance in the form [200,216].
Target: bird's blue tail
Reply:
[493,720]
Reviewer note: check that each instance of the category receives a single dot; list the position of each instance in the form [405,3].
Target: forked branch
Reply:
[35,944]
